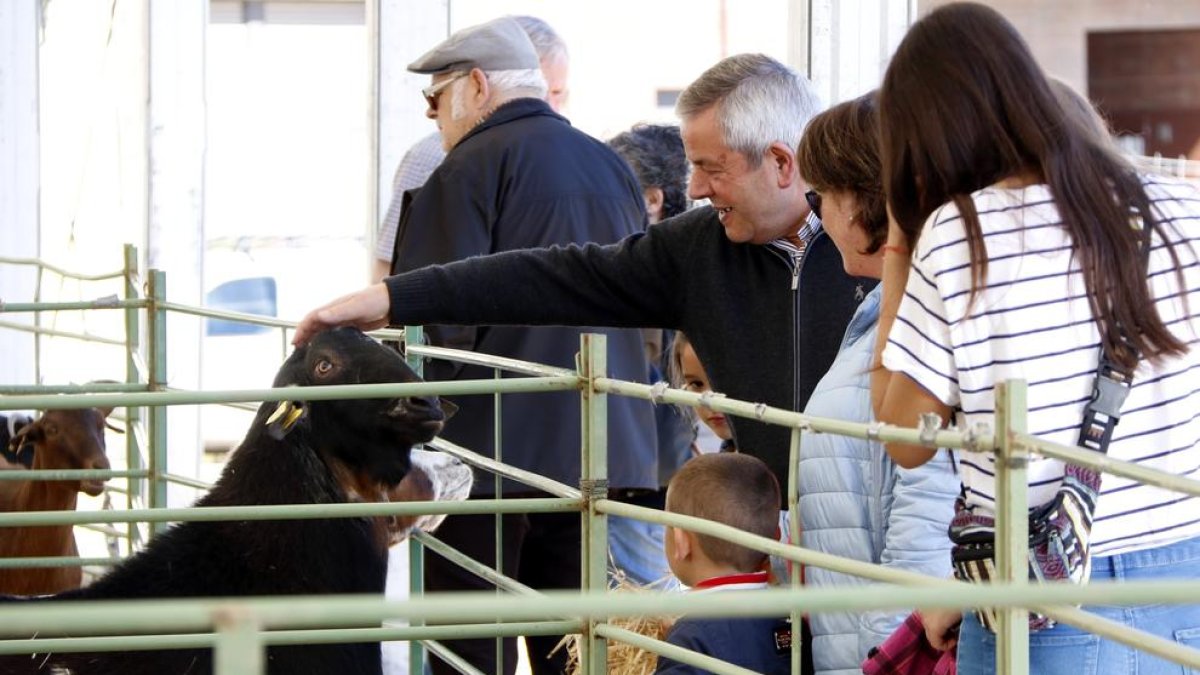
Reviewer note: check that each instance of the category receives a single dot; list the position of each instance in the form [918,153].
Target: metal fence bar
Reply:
[56,389]
[489,361]
[415,335]
[289,511]
[156,492]
[286,637]
[323,393]
[69,474]
[137,375]
[704,662]
[520,475]
[1108,465]
[101,303]
[186,481]
[593,649]
[188,615]
[793,507]
[453,660]
[53,561]
[1012,524]
[52,332]
[503,583]
[34,262]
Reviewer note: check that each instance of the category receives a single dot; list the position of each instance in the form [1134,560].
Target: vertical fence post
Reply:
[415,335]
[498,491]
[1012,526]
[157,332]
[793,507]
[593,652]
[238,649]
[133,375]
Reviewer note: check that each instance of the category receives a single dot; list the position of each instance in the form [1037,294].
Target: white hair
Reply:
[518,83]
[759,101]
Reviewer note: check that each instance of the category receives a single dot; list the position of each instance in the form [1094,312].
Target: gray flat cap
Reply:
[500,44]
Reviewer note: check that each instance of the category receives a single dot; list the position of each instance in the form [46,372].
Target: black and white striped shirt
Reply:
[1032,322]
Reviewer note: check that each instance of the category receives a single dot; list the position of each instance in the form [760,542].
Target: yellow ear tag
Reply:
[283,418]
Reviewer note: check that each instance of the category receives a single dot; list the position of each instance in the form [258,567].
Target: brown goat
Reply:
[62,439]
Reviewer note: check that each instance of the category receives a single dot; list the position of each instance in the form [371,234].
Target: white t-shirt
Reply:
[1031,321]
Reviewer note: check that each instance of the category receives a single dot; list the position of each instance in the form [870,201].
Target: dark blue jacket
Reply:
[525,178]
[755,643]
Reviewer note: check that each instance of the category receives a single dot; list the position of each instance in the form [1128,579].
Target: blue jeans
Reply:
[1066,649]
[636,548]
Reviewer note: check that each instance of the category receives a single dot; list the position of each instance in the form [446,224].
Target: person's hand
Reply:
[366,310]
[941,627]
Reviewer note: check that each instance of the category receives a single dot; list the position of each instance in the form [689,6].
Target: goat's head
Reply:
[373,436]
[69,439]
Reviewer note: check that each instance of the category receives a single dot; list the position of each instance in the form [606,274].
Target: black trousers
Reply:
[541,550]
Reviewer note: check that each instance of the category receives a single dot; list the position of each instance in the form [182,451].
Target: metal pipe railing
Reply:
[241,622]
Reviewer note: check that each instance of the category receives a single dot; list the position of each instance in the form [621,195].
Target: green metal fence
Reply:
[239,629]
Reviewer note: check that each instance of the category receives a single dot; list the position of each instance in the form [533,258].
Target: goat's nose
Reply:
[423,404]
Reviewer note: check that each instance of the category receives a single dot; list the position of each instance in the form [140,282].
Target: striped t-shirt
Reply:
[1031,321]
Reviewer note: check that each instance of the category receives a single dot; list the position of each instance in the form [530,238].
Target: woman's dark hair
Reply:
[655,153]
[840,151]
[963,106]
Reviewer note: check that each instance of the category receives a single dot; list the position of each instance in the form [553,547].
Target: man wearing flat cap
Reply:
[517,175]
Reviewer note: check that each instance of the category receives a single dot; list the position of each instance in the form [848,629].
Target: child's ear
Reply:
[682,541]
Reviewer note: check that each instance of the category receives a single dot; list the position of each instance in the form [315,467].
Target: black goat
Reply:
[322,452]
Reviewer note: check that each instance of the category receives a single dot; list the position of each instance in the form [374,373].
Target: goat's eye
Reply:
[52,429]
[324,367]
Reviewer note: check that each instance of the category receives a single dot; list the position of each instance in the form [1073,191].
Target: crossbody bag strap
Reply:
[1112,384]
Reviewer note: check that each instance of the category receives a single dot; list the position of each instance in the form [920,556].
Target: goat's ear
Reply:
[448,408]
[31,432]
[114,427]
[105,412]
[284,419]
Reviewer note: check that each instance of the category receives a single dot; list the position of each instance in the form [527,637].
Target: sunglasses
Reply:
[433,92]
[814,202]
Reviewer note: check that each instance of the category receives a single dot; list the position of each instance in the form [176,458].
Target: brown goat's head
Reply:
[69,439]
[370,436]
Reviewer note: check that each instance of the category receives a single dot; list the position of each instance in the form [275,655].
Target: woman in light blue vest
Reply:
[854,501]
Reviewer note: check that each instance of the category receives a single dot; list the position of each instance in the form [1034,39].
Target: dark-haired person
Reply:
[854,501]
[739,491]
[1025,232]
[655,154]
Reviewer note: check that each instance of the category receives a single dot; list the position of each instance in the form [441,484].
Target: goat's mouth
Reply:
[92,488]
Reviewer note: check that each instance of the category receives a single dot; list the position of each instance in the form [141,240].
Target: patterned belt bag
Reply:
[1059,538]
[1059,531]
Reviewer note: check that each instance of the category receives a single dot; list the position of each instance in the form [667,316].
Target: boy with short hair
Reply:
[740,491]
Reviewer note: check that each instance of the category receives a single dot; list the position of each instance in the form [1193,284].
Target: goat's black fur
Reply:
[334,449]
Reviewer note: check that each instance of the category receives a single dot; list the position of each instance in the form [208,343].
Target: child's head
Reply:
[687,373]
[734,489]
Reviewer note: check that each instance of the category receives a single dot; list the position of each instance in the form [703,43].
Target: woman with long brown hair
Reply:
[1018,235]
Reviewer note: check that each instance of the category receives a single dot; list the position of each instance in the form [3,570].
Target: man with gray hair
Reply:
[752,280]
[518,176]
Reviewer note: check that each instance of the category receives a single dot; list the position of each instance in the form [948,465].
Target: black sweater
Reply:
[759,339]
